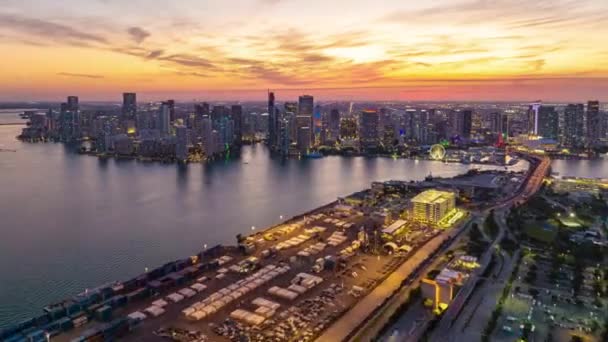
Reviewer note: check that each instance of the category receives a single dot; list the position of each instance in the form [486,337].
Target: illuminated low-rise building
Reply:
[432,206]
[441,289]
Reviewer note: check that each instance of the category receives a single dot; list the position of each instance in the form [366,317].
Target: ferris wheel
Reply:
[437,152]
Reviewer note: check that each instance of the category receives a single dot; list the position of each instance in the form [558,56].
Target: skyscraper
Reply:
[496,123]
[181,144]
[305,105]
[164,119]
[594,123]
[69,119]
[574,116]
[368,130]
[463,123]
[272,120]
[284,134]
[291,111]
[547,122]
[304,122]
[171,108]
[333,128]
[533,111]
[129,106]
[72,103]
[236,114]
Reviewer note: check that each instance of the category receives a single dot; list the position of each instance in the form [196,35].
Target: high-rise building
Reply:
[463,123]
[368,130]
[129,106]
[547,122]
[72,103]
[496,122]
[69,119]
[236,114]
[304,120]
[506,126]
[573,133]
[201,109]
[305,105]
[533,111]
[164,119]
[284,134]
[333,127]
[594,123]
[432,206]
[304,139]
[272,121]
[348,128]
[291,110]
[317,120]
[171,107]
[207,137]
[181,143]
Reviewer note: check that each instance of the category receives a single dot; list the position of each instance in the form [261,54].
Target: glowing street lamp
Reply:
[252,227]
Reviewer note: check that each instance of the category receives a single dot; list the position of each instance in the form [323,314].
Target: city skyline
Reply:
[476,50]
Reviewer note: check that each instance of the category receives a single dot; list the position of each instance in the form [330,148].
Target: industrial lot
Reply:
[318,276]
[292,281]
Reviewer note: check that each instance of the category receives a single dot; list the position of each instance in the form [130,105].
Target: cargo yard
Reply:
[287,283]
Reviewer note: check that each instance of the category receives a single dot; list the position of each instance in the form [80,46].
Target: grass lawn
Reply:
[540,231]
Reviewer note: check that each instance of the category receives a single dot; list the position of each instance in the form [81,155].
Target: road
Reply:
[371,313]
[351,322]
[530,186]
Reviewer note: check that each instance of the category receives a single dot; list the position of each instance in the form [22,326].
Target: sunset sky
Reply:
[333,49]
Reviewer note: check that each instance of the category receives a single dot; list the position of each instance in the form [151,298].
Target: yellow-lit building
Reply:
[432,205]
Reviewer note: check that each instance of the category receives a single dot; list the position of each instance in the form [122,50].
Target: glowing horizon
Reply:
[345,50]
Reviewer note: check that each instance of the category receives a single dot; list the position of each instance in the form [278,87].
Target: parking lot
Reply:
[542,305]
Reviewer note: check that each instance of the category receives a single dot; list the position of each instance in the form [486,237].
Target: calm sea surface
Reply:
[69,222]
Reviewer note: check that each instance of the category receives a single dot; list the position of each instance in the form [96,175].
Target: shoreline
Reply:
[204,258]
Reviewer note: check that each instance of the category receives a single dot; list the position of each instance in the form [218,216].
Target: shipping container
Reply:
[65,324]
[137,295]
[16,338]
[36,336]
[104,313]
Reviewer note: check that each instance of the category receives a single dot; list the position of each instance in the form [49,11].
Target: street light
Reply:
[252,227]
[280,217]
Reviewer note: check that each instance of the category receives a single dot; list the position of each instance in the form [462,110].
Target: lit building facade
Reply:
[432,206]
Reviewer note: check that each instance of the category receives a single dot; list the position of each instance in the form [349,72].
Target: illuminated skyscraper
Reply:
[368,130]
[333,129]
[272,122]
[547,122]
[594,123]
[573,134]
[463,123]
[304,122]
[533,111]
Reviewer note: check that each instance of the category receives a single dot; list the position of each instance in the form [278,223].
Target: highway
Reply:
[370,314]
[530,186]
